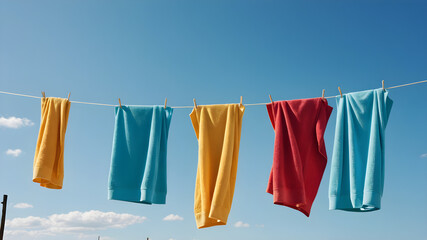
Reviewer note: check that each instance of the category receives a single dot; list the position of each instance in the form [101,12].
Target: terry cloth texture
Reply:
[357,169]
[138,158]
[48,168]
[218,129]
[299,151]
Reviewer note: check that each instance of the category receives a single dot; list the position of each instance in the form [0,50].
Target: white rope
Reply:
[404,85]
[99,104]
[17,94]
[255,104]
[183,107]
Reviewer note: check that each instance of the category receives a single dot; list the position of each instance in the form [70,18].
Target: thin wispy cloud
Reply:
[240,224]
[14,152]
[75,222]
[14,122]
[22,205]
[424,155]
[172,217]
[259,225]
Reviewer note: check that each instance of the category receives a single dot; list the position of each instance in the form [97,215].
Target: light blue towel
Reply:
[357,168]
[138,158]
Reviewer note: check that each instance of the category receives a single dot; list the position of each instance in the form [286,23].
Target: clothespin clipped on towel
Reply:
[241,101]
[120,103]
[323,95]
[195,105]
[166,101]
[383,85]
[270,98]
[69,96]
[43,94]
[339,89]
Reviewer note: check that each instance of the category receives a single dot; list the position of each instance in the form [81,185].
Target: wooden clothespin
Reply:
[69,96]
[270,98]
[44,95]
[383,86]
[195,105]
[323,94]
[241,100]
[339,89]
[166,101]
[120,103]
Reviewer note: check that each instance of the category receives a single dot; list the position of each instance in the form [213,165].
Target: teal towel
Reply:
[357,168]
[138,158]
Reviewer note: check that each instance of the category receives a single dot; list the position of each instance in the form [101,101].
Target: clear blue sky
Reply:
[214,51]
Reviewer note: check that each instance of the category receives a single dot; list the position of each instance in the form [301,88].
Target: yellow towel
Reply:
[218,129]
[49,157]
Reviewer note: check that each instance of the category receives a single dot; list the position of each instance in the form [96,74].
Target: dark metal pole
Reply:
[3,216]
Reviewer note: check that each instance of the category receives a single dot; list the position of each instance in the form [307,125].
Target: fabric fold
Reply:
[357,168]
[299,158]
[218,130]
[48,167]
[139,152]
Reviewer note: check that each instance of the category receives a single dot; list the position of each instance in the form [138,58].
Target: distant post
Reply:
[3,216]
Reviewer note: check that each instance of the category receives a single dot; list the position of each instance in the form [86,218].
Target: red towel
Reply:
[299,151]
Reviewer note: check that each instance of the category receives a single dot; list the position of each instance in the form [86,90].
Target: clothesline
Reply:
[247,104]
[141,177]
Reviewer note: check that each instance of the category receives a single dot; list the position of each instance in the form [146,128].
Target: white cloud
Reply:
[424,155]
[14,153]
[241,224]
[32,234]
[14,122]
[70,223]
[43,235]
[22,205]
[172,217]
[259,225]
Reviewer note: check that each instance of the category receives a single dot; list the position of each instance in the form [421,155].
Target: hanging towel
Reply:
[299,151]
[138,158]
[357,169]
[48,168]
[218,129]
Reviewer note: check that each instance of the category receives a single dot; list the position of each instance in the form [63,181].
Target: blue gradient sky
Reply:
[214,51]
